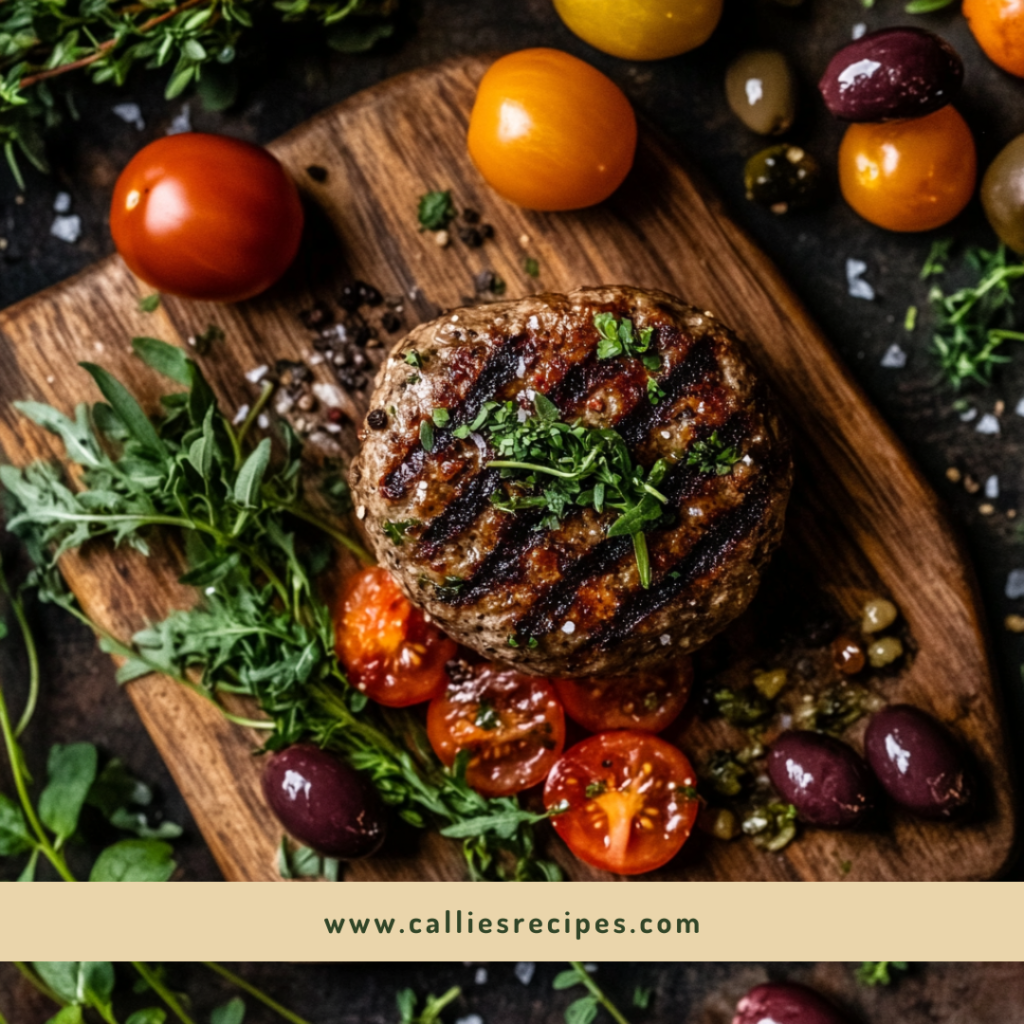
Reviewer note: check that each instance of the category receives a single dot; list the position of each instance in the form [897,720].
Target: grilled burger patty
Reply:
[559,596]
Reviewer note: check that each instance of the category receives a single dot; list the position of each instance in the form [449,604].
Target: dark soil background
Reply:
[290,76]
[965,993]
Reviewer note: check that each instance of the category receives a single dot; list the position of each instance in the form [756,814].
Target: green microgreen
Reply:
[619,338]
[879,972]
[436,211]
[487,716]
[937,258]
[557,466]
[432,1007]
[413,359]
[972,323]
[149,303]
[396,531]
[584,1009]
[531,266]
[713,455]
[910,319]
[246,516]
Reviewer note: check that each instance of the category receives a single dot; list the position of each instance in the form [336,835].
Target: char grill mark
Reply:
[462,511]
[497,371]
[504,562]
[704,558]
[696,367]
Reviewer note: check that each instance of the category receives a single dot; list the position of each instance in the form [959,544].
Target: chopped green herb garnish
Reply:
[642,997]
[618,337]
[971,324]
[935,263]
[427,435]
[690,792]
[413,359]
[743,707]
[436,211]
[910,320]
[926,6]
[413,378]
[498,285]
[487,716]
[713,456]
[148,303]
[531,266]
[450,587]
[595,789]
[397,530]
[878,972]
[440,417]
[772,827]
[654,391]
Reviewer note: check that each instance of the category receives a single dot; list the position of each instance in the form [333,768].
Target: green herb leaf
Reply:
[71,770]
[15,837]
[149,1015]
[926,6]
[427,435]
[396,531]
[582,1010]
[566,979]
[872,972]
[232,1012]
[413,359]
[68,1015]
[436,211]
[531,266]
[169,360]
[440,417]
[713,455]
[149,303]
[250,476]
[128,410]
[642,997]
[134,860]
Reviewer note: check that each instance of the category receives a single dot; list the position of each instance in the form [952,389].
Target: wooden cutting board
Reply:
[862,521]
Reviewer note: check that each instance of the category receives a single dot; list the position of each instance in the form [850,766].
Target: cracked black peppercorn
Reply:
[378,419]
[317,173]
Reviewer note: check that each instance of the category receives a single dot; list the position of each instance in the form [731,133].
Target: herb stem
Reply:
[257,407]
[154,982]
[595,990]
[37,983]
[335,534]
[534,468]
[18,607]
[245,986]
[1004,274]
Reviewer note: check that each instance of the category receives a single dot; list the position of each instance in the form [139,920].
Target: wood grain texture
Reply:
[862,521]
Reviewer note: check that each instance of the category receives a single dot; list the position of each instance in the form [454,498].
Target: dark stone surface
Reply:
[684,98]
[697,993]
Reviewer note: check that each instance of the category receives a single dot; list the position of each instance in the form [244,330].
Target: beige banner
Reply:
[495,921]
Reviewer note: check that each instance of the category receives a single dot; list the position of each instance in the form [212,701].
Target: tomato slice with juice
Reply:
[512,725]
[626,801]
[389,648]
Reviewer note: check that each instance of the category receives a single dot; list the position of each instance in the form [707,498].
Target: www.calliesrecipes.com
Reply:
[463,923]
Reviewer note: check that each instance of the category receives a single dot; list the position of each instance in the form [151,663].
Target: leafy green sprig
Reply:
[619,338]
[713,455]
[584,1009]
[571,465]
[260,628]
[879,972]
[432,1007]
[972,323]
[194,41]
[78,987]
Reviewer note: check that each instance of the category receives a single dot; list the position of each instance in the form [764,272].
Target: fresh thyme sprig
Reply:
[196,41]
[260,628]
[571,465]
[972,323]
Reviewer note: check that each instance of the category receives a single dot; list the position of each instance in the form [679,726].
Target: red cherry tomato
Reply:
[512,725]
[645,701]
[911,175]
[630,801]
[206,217]
[391,653]
[550,132]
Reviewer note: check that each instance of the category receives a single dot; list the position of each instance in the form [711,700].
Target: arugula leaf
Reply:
[71,770]
[15,837]
[582,1010]
[130,412]
[232,1012]
[566,979]
[250,477]
[169,360]
[134,860]
[149,303]
[68,1015]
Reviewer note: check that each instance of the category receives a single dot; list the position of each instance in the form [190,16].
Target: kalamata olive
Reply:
[786,1003]
[761,91]
[895,73]
[323,802]
[1002,194]
[827,782]
[917,762]
[782,178]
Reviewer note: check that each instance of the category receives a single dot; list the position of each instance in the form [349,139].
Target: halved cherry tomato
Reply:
[998,25]
[206,217]
[909,175]
[630,801]
[390,651]
[641,29]
[646,701]
[512,725]
[550,132]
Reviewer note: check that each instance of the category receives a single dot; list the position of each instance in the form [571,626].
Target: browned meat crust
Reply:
[572,592]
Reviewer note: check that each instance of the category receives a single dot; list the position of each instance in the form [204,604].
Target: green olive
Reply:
[783,178]
[761,91]
[1002,195]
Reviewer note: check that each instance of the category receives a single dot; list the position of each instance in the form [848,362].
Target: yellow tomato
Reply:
[641,29]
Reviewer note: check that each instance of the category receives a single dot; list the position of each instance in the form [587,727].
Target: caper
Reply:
[1002,194]
[782,177]
[884,652]
[877,614]
[770,683]
[761,91]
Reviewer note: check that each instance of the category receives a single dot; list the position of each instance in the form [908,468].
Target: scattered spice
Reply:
[317,173]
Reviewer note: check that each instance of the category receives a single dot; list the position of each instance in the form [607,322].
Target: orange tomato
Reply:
[550,132]
[909,175]
[998,25]
[206,217]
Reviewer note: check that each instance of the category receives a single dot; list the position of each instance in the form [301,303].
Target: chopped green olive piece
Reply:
[782,178]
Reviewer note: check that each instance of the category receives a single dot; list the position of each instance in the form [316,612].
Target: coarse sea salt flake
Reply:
[988,424]
[665,639]
[243,411]
[859,29]
[330,394]
[1015,584]
[130,113]
[263,421]
[969,414]
[257,374]
[182,123]
[524,971]
[1020,408]
[67,228]
[481,976]
[992,487]
[857,287]
[62,202]
[569,628]
[895,358]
